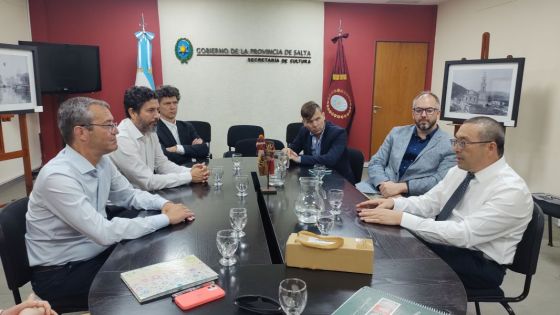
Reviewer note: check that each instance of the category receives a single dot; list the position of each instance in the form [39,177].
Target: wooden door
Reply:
[400,74]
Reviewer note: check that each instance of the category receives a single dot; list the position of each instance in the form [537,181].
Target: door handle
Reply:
[375,108]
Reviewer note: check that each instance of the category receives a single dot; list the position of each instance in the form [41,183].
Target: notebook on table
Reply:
[150,282]
[369,301]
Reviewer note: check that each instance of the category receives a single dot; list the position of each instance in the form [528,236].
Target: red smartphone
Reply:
[198,297]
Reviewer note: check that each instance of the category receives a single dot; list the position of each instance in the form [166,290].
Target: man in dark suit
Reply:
[322,142]
[179,140]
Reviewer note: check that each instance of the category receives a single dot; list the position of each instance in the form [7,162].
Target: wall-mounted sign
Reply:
[255,55]
[183,50]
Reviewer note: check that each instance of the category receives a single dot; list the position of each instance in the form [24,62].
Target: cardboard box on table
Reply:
[309,250]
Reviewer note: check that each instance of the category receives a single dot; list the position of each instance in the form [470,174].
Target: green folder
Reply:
[369,301]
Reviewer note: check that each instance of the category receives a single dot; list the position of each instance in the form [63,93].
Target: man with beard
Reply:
[139,155]
[413,158]
[475,217]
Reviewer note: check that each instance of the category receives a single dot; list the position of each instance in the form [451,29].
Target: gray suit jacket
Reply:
[425,172]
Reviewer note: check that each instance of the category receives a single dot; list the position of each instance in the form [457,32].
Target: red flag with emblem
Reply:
[339,100]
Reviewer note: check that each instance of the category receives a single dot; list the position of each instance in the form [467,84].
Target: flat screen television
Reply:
[67,68]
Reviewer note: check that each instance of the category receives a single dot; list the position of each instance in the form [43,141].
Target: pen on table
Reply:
[196,287]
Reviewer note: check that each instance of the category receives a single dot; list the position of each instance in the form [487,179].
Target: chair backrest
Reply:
[356,159]
[12,245]
[528,249]
[292,130]
[240,132]
[247,147]
[203,129]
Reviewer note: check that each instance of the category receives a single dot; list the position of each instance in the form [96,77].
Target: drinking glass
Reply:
[319,171]
[325,222]
[279,176]
[284,159]
[242,184]
[227,242]
[292,294]
[335,197]
[217,173]
[238,220]
[236,158]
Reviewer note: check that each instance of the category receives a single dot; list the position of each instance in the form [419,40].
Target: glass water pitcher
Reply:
[309,201]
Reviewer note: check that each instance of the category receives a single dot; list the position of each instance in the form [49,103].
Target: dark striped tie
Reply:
[455,198]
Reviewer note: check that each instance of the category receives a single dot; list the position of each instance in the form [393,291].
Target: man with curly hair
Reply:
[179,140]
[139,155]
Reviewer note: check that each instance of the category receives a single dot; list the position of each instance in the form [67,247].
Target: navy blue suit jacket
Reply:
[333,149]
[187,134]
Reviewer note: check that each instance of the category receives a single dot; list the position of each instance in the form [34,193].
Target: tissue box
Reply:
[308,250]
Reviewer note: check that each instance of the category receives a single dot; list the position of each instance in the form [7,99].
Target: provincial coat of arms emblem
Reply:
[183,50]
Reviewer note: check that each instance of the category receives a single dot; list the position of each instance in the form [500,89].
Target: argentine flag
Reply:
[144,76]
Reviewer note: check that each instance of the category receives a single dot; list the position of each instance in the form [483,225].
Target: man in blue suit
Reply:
[322,142]
[413,158]
[179,140]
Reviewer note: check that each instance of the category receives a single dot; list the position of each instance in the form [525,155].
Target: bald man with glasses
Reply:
[413,158]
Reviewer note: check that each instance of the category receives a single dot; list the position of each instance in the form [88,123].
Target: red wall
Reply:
[110,25]
[368,23]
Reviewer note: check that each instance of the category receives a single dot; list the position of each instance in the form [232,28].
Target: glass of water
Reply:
[227,242]
[335,197]
[217,173]
[319,171]
[242,184]
[238,220]
[236,159]
[292,294]
[325,222]
[284,159]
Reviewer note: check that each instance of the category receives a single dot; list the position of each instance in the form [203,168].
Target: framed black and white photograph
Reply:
[19,90]
[490,87]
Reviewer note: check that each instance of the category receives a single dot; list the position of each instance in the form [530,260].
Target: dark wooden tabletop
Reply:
[403,264]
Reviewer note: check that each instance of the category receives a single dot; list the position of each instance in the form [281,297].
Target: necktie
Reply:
[455,198]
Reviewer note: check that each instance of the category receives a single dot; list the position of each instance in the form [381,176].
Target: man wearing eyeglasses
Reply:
[139,156]
[413,158]
[68,236]
[475,217]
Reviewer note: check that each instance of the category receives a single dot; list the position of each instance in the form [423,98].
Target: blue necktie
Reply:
[455,198]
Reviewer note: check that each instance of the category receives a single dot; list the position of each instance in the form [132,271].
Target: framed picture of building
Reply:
[19,87]
[490,87]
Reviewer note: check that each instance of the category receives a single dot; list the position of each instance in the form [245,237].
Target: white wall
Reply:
[229,90]
[522,28]
[14,26]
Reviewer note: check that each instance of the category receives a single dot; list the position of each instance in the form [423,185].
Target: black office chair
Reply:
[12,246]
[291,131]
[240,132]
[356,159]
[550,205]
[248,147]
[204,130]
[524,261]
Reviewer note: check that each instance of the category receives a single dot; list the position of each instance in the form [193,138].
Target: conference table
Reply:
[403,265]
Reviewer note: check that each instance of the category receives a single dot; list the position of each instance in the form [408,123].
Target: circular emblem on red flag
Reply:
[339,104]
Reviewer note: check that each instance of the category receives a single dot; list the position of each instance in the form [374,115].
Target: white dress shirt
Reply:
[173,128]
[140,158]
[491,217]
[66,218]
